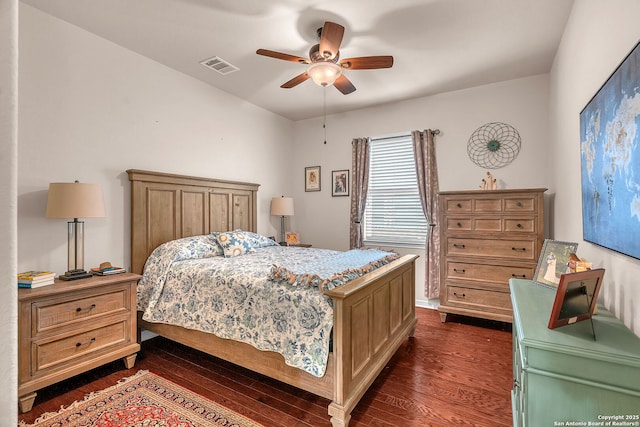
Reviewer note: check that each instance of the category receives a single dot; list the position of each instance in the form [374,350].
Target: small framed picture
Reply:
[312,178]
[340,183]
[553,262]
[292,238]
[576,297]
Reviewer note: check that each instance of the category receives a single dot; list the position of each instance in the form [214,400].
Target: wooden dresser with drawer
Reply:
[72,326]
[487,238]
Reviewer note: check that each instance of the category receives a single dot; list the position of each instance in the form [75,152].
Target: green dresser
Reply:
[563,377]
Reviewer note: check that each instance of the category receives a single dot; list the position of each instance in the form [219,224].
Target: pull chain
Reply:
[324,108]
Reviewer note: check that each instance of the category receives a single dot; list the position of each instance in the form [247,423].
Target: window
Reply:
[393,212]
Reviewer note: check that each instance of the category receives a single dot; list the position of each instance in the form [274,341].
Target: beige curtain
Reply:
[425,154]
[359,186]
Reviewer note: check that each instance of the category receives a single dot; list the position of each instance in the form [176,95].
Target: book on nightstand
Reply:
[35,279]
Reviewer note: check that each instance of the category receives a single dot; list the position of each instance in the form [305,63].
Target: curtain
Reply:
[359,186]
[425,154]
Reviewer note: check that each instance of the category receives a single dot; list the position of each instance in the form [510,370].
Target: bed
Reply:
[372,314]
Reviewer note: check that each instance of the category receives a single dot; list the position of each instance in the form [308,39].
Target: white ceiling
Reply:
[437,45]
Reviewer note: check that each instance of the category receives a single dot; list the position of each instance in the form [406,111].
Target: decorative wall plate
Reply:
[493,145]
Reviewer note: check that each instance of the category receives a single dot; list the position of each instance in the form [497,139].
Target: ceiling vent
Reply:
[219,65]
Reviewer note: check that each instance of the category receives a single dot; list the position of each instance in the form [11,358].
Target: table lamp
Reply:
[75,200]
[282,206]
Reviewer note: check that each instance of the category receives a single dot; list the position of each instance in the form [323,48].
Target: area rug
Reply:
[143,399]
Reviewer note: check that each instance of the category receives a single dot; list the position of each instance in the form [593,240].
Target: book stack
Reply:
[35,279]
[107,269]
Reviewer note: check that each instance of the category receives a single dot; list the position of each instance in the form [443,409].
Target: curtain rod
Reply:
[435,132]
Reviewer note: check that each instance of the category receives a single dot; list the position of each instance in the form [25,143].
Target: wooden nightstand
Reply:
[71,327]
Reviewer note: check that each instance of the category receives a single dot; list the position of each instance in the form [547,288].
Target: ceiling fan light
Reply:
[324,73]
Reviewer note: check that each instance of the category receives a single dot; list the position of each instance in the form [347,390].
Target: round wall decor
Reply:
[493,145]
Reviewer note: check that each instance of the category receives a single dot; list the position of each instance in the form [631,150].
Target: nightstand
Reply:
[71,327]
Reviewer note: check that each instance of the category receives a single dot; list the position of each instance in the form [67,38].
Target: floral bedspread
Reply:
[188,282]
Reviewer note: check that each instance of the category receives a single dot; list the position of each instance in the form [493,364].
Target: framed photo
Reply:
[553,262]
[292,238]
[576,297]
[312,178]
[340,183]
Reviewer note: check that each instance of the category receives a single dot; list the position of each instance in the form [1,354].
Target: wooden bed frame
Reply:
[372,314]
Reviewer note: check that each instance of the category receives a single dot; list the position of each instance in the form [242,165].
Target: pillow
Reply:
[234,243]
[258,240]
[193,247]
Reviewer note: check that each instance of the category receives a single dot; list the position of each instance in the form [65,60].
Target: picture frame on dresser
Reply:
[576,297]
[552,262]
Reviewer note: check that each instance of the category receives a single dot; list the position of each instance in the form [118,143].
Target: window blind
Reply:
[393,213]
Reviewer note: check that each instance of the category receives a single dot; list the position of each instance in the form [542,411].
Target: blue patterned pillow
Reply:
[194,247]
[258,240]
[234,243]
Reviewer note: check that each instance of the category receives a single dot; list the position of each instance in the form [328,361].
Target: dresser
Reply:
[72,326]
[487,238]
[563,375]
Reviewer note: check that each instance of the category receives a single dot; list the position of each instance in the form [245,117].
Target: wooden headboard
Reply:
[167,207]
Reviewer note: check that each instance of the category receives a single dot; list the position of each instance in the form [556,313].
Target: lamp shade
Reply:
[324,73]
[282,206]
[74,200]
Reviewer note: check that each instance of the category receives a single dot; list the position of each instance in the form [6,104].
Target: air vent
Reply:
[219,65]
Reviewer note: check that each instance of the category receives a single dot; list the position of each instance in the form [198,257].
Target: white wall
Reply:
[323,220]
[8,208]
[90,110]
[597,38]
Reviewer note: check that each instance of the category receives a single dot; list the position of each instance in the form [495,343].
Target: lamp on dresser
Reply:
[282,207]
[75,200]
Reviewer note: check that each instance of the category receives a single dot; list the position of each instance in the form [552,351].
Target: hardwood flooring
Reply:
[450,374]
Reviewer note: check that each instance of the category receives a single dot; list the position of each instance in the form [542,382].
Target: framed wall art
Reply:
[340,183]
[610,160]
[312,178]
[576,297]
[553,261]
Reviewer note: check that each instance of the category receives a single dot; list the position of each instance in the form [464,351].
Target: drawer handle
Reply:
[459,295]
[458,205]
[523,276]
[459,224]
[519,249]
[458,245]
[80,344]
[459,271]
[91,307]
[519,204]
[519,225]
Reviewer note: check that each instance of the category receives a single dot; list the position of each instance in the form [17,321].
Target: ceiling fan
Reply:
[325,66]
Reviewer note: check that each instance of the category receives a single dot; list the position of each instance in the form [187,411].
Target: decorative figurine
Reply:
[491,182]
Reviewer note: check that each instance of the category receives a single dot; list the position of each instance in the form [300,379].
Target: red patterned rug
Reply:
[144,399]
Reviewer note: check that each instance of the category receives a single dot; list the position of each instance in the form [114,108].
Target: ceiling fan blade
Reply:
[344,85]
[367,62]
[330,39]
[295,81]
[283,56]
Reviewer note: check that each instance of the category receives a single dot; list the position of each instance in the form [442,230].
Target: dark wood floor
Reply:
[451,374]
